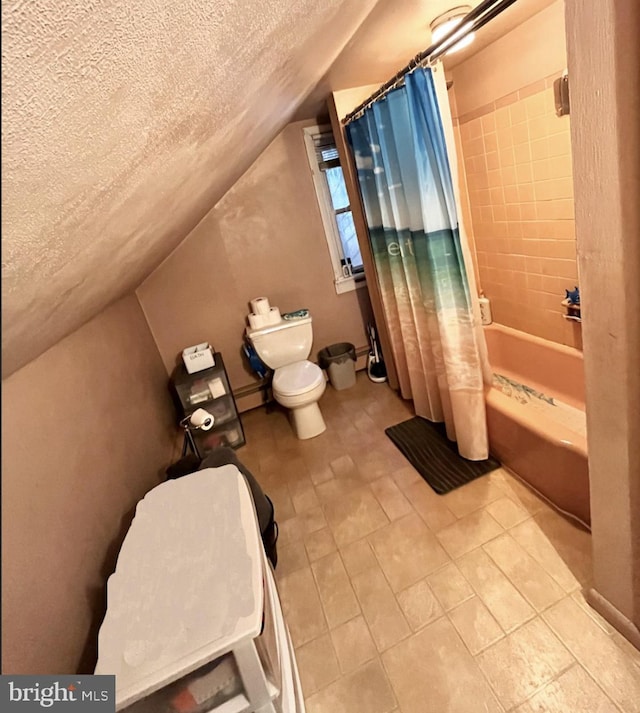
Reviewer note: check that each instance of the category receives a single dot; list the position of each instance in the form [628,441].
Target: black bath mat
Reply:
[425,445]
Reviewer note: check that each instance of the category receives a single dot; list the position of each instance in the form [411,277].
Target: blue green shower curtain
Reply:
[409,201]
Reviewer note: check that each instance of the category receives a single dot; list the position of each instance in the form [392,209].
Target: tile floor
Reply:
[402,601]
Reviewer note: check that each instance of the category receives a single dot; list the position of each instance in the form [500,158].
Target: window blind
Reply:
[326,151]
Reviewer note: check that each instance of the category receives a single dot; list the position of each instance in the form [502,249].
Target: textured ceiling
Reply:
[124,123]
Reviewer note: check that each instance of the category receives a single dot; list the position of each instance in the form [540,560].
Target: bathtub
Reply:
[536,416]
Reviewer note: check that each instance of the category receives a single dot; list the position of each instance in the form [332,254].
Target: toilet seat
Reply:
[297,378]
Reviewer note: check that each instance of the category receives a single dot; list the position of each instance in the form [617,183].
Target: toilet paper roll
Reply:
[258,321]
[274,316]
[260,305]
[202,419]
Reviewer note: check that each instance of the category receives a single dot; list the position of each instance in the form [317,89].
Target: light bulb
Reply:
[440,30]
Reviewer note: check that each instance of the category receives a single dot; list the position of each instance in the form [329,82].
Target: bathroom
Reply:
[265,237]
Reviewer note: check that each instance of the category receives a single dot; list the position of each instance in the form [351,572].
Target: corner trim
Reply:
[615,617]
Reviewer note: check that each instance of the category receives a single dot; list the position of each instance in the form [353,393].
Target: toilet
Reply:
[297,383]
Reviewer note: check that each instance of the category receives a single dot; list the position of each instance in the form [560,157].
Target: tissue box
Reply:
[198,357]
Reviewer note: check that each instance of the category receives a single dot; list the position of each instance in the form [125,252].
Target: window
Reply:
[334,207]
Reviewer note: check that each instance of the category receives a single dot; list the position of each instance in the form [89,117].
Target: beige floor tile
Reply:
[373,464]
[405,475]
[283,506]
[504,601]
[337,488]
[380,608]
[450,586]
[429,505]
[419,605]
[354,515]
[358,557]
[507,512]
[366,690]
[301,605]
[614,671]
[407,551]
[468,533]
[336,594]
[290,531]
[319,543]
[353,644]
[291,558]
[393,502]
[433,671]
[344,467]
[474,495]
[313,520]
[572,692]
[303,495]
[517,491]
[522,662]
[537,587]
[477,628]
[532,538]
[320,473]
[317,664]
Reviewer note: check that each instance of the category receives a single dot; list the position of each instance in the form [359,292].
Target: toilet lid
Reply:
[297,378]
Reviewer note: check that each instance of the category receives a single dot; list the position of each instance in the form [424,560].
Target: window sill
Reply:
[348,284]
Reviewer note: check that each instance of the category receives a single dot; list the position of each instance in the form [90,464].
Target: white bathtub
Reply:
[538,430]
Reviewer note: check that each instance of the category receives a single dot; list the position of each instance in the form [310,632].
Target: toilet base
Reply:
[307,421]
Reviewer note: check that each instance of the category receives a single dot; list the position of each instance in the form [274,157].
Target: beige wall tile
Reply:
[380,608]
[338,599]
[518,665]
[503,600]
[317,664]
[477,628]
[366,690]
[353,644]
[427,671]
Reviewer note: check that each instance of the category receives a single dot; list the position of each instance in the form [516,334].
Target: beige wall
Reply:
[265,237]
[604,57]
[518,177]
[74,462]
[532,50]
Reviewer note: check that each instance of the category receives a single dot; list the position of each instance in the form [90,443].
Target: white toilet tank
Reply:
[284,343]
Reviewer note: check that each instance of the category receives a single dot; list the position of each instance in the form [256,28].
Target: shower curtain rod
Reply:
[477,18]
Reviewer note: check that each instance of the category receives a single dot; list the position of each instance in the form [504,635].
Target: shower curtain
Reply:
[409,201]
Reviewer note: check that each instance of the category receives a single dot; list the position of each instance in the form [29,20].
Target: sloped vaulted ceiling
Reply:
[123,124]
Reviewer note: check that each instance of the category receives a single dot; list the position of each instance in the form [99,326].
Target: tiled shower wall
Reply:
[517,163]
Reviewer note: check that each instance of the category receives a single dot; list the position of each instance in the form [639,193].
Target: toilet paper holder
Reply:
[199,420]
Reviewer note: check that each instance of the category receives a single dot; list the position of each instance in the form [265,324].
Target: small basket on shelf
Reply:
[572,305]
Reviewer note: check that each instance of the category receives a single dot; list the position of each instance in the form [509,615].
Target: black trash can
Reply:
[340,362]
